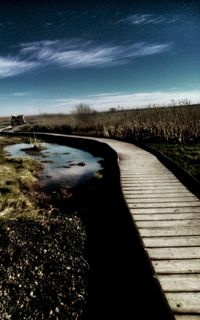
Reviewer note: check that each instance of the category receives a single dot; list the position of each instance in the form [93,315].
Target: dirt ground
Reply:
[44,273]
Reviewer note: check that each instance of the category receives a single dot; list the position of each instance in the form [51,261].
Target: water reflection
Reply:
[61,164]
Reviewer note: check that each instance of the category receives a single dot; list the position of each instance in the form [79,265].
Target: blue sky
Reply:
[54,55]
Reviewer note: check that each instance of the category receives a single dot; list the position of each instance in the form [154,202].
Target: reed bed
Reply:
[153,124]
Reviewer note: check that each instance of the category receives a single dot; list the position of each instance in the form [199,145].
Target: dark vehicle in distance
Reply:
[17,120]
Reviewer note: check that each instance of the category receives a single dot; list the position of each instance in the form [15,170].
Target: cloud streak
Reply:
[74,54]
[77,54]
[12,66]
[104,101]
[144,19]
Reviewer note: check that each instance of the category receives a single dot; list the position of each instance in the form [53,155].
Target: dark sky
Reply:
[56,54]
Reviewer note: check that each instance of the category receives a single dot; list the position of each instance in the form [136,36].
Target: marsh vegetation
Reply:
[153,124]
[18,178]
[187,155]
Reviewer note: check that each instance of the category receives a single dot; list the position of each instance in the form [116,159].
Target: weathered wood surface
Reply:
[174,253]
[177,266]
[167,215]
[166,210]
[184,302]
[167,223]
[167,242]
[180,282]
[170,232]
[187,317]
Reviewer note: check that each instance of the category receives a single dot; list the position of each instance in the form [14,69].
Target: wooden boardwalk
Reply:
[167,216]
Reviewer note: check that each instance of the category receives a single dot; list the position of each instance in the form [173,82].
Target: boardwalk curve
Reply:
[167,216]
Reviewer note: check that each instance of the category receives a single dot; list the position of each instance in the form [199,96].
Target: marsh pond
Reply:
[60,164]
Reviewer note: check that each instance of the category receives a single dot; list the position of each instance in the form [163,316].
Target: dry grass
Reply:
[187,155]
[4,122]
[153,124]
[18,177]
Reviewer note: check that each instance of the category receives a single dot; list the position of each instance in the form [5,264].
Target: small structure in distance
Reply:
[17,120]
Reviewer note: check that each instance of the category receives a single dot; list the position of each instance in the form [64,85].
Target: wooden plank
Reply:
[176,266]
[151,172]
[134,180]
[167,223]
[170,231]
[151,186]
[150,181]
[174,253]
[163,205]
[146,187]
[163,189]
[158,195]
[145,177]
[131,170]
[149,194]
[181,302]
[162,199]
[167,216]
[159,242]
[187,317]
[180,283]
[165,210]
[156,189]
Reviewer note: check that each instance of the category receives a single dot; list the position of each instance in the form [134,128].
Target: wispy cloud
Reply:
[79,54]
[105,101]
[12,66]
[20,94]
[74,54]
[139,19]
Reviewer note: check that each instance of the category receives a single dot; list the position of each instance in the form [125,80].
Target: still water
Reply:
[61,164]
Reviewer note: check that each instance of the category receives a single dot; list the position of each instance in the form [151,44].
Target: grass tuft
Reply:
[18,178]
